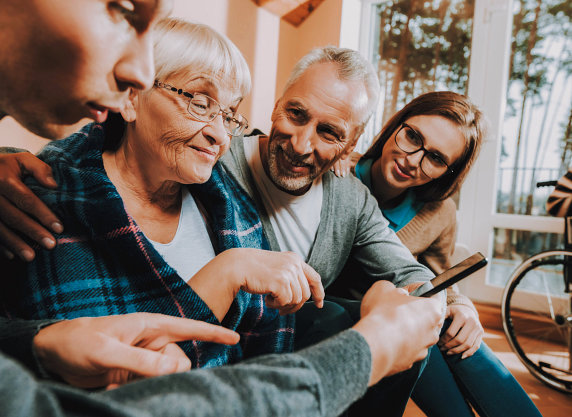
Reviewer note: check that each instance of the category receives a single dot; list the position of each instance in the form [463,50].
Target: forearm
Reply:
[379,252]
[306,383]
[215,285]
[384,257]
[17,338]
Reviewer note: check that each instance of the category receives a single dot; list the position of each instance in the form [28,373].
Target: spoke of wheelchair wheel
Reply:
[548,297]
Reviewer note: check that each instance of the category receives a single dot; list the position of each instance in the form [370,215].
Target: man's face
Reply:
[66,60]
[315,122]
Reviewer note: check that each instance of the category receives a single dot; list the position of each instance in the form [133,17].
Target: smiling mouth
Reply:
[205,151]
[297,165]
[402,172]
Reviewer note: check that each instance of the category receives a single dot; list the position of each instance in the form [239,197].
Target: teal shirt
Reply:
[397,216]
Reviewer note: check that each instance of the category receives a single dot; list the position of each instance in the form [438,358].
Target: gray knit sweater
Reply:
[351,227]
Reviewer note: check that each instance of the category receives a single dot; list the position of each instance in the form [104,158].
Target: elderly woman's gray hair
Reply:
[352,66]
[184,48]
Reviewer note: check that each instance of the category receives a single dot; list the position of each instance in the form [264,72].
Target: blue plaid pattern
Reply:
[104,265]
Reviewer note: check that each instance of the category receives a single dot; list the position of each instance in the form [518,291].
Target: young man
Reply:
[65,60]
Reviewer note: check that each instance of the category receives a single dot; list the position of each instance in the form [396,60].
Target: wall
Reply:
[271,48]
[321,28]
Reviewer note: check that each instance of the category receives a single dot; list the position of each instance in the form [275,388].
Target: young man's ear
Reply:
[128,112]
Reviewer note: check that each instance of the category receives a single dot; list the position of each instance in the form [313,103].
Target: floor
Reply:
[551,403]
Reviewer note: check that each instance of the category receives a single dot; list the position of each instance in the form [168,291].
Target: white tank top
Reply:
[191,248]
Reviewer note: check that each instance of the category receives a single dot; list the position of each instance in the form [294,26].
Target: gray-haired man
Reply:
[328,221]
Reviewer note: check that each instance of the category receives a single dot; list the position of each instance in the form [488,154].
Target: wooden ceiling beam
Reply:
[279,7]
[292,11]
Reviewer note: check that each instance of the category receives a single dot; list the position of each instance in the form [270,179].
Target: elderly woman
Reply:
[152,222]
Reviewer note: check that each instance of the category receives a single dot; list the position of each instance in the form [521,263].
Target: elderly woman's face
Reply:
[182,148]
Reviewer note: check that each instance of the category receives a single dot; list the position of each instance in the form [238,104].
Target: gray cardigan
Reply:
[351,227]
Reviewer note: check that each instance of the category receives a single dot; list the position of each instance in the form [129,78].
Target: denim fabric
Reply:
[481,379]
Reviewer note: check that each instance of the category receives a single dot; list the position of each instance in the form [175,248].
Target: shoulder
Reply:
[445,210]
[234,159]
[237,144]
[76,164]
[349,185]
[348,198]
[236,166]
[76,148]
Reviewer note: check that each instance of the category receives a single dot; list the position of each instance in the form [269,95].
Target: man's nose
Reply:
[136,68]
[302,141]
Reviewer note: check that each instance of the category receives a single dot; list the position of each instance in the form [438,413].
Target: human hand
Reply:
[465,332]
[413,286]
[343,166]
[20,210]
[398,328]
[286,279]
[108,351]
[284,276]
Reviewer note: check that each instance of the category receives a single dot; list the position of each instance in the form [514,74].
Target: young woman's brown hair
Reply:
[454,107]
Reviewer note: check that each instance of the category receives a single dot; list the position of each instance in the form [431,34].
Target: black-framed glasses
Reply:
[206,109]
[410,141]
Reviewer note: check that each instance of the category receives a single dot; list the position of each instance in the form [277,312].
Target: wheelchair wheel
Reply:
[537,317]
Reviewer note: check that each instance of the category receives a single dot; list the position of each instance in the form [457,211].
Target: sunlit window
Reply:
[419,46]
[537,127]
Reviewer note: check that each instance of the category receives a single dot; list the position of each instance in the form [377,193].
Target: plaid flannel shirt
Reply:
[104,265]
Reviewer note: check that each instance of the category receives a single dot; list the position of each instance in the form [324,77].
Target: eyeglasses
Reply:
[206,109]
[410,141]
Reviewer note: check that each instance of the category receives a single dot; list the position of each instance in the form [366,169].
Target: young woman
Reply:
[419,159]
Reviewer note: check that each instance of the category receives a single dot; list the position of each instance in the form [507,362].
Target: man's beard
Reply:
[284,179]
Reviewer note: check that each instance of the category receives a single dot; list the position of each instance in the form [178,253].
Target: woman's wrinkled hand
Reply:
[284,277]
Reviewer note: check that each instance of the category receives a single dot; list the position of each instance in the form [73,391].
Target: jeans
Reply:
[448,382]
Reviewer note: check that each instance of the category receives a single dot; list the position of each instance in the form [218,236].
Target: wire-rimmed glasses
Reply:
[206,109]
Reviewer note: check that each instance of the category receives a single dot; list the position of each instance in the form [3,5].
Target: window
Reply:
[513,58]
[418,46]
[536,142]
[537,127]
